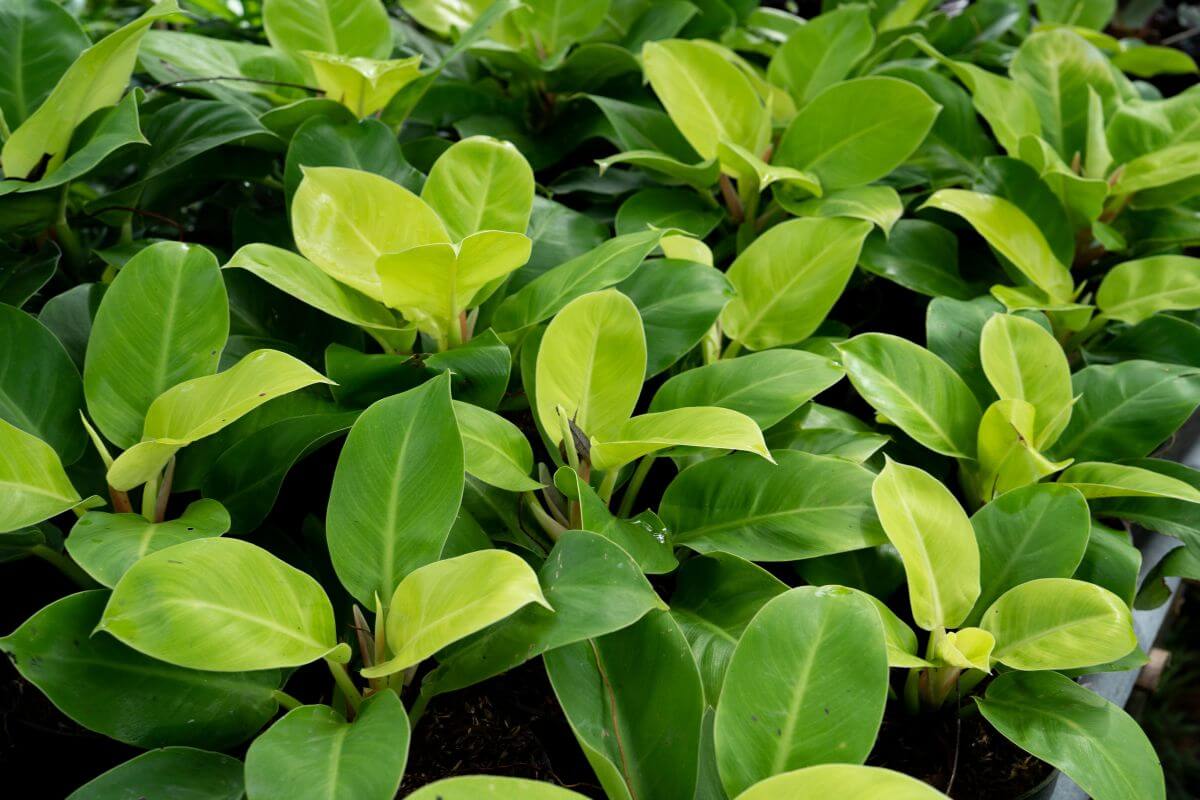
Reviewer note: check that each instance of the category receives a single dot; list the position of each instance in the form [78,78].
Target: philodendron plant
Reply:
[523,375]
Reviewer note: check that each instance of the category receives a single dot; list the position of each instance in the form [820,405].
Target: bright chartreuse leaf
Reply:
[822,52]
[1014,235]
[314,753]
[806,685]
[495,450]
[115,690]
[163,321]
[338,27]
[936,542]
[480,184]
[788,279]
[591,364]
[1092,741]
[96,79]
[915,390]
[222,605]
[848,781]
[202,406]
[708,98]
[35,486]
[363,85]
[857,131]
[965,648]
[1094,14]
[805,506]
[1006,457]
[1101,480]
[344,220]
[712,427]
[396,490]
[1059,623]
[1134,290]
[880,205]
[1023,361]
[491,787]
[107,545]
[440,603]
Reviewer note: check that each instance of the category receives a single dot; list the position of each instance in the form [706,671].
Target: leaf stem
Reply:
[546,522]
[286,700]
[341,677]
[635,485]
[150,498]
[64,565]
[732,350]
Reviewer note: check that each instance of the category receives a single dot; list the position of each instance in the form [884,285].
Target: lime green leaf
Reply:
[1099,480]
[202,406]
[445,601]
[788,279]
[1135,290]
[345,219]
[1092,741]
[107,545]
[339,27]
[857,131]
[442,17]
[34,483]
[880,205]
[914,390]
[396,490]
[97,79]
[967,648]
[1059,623]
[313,752]
[222,605]
[363,85]
[1094,14]
[164,320]
[1159,168]
[1014,235]
[806,685]
[718,428]
[480,184]
[1006,458]
[822,52]
[491,787]
[495,450]
[936,542]
[751,169]
[591,364]
[1023,361]
[849,781]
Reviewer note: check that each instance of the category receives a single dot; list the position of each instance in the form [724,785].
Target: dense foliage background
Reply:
[391,393]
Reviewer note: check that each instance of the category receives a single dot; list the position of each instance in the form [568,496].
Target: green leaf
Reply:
[1059,623]
[1094,742]
[107,545]
[1111,561]
[879,205]
[396,490]
[717,428]
[700,175]
[1134,290]
[1014,235]
[1038,531]
[495,450]
[914,390]
[806,685]
[606,265]
[164,320]
[788,279]
[1165,514]
[326,141]
[805,506]
[35,486]
[1099,480]
[1126,410]
[1160,169]
[363,85]
[339,27]
[172,56]
[96,79]
[918,255]
[635,702]
[936,542]
[41,39]
[1149,61]
[343,221]
[1007,459]
[759,175]
[766,386]
[314,753]
[480,184]
[40,390]
[441,17]
[22,275]
[594,587]
[440,603]
[491,787]
[715,598]
[822,52]
[857,131]
[591,364]
[845,780]
[116,691]
[708,98]
[1094,14]
[177,772]
[202,406]
[222,605]
[1023,361]
[303,280]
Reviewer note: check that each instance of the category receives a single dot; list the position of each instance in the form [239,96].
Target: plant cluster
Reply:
[578,285]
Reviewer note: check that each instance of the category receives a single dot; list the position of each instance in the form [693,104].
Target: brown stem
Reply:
[732,201]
